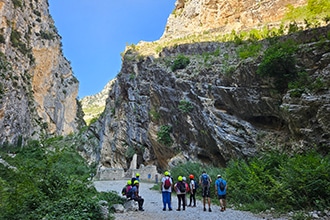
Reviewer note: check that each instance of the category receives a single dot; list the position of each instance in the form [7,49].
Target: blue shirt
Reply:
[217,183]
[134,190]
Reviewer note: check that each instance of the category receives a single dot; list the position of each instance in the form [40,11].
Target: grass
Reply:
[92,112]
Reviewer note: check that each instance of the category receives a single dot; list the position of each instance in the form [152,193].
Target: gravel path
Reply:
[153,206]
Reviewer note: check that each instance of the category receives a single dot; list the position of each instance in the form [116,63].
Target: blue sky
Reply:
[94,33]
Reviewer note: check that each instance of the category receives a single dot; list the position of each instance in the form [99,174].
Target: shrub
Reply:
[249,50]
[278,62]
[17,3]
[48,184]
[286,183]
[47,35]
[180,62]
[154,114]
[304,83]
[312,11]
[2,39]
[163,135]
[130,152]
[185,106]
[15,38]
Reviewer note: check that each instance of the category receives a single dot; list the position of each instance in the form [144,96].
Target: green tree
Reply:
[278,62]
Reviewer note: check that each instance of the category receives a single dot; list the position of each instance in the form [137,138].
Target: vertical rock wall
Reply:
[37,88]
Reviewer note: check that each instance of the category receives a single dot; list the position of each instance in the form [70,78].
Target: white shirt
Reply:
[163,181]
[192,184]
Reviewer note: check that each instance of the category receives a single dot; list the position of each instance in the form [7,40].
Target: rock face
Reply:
[215,107]
[93,105]
[37,88]
[197,16]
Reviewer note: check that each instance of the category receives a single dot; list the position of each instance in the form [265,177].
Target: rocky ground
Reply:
[153,206]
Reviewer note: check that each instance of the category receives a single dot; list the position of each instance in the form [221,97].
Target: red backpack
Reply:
[187,187]
[167,183]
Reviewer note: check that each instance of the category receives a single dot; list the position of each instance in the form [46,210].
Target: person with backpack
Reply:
[126,191]
[136,196]
[184,180]
[220,189]
[193,188]
[180,189]
[205,181]
[166,187]
[136,177]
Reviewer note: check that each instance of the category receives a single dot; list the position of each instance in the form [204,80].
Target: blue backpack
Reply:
[196,184]
[205,179]
[222,185]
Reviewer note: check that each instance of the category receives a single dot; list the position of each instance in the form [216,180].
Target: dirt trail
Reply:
[153,206]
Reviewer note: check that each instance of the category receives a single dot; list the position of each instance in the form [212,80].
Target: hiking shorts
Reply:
[206,191]
[221,196]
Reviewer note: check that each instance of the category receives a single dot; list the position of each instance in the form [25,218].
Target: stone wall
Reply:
[147,173]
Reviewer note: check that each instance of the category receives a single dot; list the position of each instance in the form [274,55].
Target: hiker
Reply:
[220,189]
[126,191]
[180,189]
[205,181]
[166,187]
[184,180]
[137,177]
[136,196]
[192,190]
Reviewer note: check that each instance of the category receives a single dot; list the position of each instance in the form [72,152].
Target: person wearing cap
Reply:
[166,193]
[180,189]
[136,196]
[221,191]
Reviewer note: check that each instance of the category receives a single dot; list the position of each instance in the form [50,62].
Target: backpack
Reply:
[187,187]
[129,194]
[167,183]
[222,186]
[123,191]
[196,184]
[181,186]
[205,179]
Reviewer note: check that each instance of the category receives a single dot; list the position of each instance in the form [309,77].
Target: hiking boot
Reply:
[204,209]
[210,210]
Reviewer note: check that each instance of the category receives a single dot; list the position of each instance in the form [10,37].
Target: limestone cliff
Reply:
[204,101]
[94,105]
[197,16]
[37,88]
